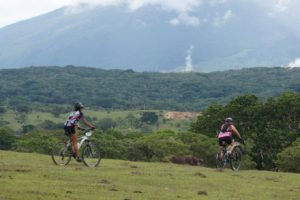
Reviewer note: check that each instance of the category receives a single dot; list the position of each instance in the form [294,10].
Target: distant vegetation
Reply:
[271,130]
[36,100]
[117,89]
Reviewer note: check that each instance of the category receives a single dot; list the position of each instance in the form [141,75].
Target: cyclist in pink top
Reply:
[225,135]
[72,123]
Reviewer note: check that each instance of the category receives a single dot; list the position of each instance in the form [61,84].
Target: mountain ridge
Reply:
[144,40]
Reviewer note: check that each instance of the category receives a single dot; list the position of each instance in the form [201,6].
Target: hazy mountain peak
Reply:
[153,35]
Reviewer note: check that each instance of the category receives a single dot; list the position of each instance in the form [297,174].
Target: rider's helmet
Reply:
[78,106]
[228,120]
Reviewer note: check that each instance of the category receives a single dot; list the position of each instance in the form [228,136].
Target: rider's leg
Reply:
[74,143]
[222,150]
[231,147]
[230,143]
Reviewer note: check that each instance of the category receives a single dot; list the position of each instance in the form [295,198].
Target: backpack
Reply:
[225,128]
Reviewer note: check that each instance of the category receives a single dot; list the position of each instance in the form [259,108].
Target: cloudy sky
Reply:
[15,10]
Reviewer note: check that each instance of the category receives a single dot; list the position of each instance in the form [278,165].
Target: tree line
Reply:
[126,89]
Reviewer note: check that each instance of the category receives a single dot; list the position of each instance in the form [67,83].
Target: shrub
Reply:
[289,159]
[37,141]
[7,138]
[157,147]
[201,146]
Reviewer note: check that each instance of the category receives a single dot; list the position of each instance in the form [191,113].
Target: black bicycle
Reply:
[62,151]
[235,158]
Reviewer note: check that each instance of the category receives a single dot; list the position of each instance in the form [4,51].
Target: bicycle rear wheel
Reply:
[61,153]
[91,154]
[236,158]
[220,163]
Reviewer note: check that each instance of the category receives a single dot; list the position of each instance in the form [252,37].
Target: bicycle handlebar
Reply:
[87,130]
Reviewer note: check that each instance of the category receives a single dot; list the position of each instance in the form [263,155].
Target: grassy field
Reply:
[15,120]
[34,176]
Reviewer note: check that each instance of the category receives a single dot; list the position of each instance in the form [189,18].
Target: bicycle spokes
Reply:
[91,155]
[235,160]
[61,153]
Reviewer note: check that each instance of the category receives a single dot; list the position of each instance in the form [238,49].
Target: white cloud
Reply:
[285,11]
[280,6]
[185,19]
[15,10]
[216,2]
[180,6]
[224,19]
[295,63]
[86,5]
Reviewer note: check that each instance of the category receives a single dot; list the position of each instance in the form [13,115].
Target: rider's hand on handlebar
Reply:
[241,140]
[93,127]
[81,129]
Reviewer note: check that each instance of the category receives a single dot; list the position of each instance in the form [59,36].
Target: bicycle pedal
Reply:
[78,159]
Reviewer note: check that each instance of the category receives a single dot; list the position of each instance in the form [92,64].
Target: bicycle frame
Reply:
[62,151]
[82,139]
[221,163]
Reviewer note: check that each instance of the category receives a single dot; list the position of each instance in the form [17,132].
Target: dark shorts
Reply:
[225,140]
[69,130]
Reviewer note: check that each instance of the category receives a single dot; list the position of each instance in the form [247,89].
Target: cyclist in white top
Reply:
[71,125]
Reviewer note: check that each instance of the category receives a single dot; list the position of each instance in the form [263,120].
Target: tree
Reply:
[106,124]
[157,147]
[201,146]
[149,117]
[271,126]
[289,159]
[209,121]
[23,108]
[7,138]
[2,110]
[36,141]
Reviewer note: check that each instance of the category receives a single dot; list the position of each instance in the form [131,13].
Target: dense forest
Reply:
[119,89]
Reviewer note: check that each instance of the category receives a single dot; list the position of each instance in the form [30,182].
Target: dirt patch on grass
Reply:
[202,193]
[136,173]
[272,179]
[23,170]
[181,115]
[200,174]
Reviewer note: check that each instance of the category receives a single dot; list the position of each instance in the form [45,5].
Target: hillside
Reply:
[155,37]
[124,121]
[133,90]
[34,176]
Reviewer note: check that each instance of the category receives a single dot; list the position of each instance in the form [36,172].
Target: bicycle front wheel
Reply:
[236,159]
[91,154]
[61,153]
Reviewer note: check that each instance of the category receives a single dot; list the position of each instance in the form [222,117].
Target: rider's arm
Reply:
[86,122]
[236,131]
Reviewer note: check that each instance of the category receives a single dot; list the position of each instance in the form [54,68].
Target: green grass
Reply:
[36,117]
[34,176]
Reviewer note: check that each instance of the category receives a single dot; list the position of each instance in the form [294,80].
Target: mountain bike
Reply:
[90,153]
[235,158]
